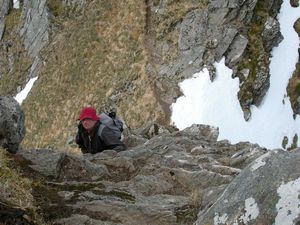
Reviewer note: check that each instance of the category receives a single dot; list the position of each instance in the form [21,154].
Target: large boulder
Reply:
[265,192]
[12,129]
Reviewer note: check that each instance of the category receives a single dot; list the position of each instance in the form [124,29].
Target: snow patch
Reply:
[220,219]
[16,4]
[251,209]
[288,206]
[20,97]
[216,103]
[251,212]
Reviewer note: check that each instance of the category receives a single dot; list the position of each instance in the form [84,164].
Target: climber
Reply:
[93,136]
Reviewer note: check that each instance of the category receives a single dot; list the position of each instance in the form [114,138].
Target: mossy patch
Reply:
[56,7]
[293,89]
[255,57]
[294,143]
[76,186]
[187,215]
[173,13]
[50,205]
[14,188]
[285,141]
[115,193]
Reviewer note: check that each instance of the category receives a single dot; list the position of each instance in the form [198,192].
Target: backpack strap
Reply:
[99,133]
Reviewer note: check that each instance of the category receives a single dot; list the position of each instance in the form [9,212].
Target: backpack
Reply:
[111,121]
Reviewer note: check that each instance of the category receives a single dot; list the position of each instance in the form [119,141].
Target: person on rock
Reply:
[93,136]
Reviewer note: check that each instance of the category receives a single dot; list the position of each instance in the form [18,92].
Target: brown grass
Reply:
[13,188]
[96,56]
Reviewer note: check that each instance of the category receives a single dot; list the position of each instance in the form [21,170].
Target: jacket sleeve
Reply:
[111,141]
[79,141]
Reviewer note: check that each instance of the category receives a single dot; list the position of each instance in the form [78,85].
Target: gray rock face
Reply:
[236,50]
[5,6]
[2,28]
[12,119]
[58,165]
[215,32]
[265,192]
[165,180]
[36,24]
[220,30]
[271,34]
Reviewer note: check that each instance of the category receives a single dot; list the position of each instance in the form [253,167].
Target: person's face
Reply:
[88,124]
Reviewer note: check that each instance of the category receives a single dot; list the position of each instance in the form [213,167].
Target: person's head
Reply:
[88,118]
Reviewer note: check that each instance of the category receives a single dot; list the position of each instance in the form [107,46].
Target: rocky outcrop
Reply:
[266,192]
[293,88]
[26,33]
[294,3]
[166,180]
[184,177]
[35,29]
[206,36]
[271,35]
[5,6]
[225,29]
[12,128]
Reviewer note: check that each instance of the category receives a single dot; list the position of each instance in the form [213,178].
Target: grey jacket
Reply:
[93,143]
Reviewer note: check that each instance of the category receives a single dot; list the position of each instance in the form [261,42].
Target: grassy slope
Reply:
[94,55]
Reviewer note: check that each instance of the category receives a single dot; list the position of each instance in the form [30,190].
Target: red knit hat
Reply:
[88,113]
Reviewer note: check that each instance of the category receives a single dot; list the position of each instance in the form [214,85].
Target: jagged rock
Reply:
[268,194]
[236,50]
[294,3]
[193,30]
[297,26]
[35,29]
[261,84]
[225,38]
[271,34]
[12,128]
[150,130]
[35,67]
[219,30]
[58,165]
[5,6]
[132,140]
[2,28]
[246,11]
[199,130]
[44,161]
[162,181]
